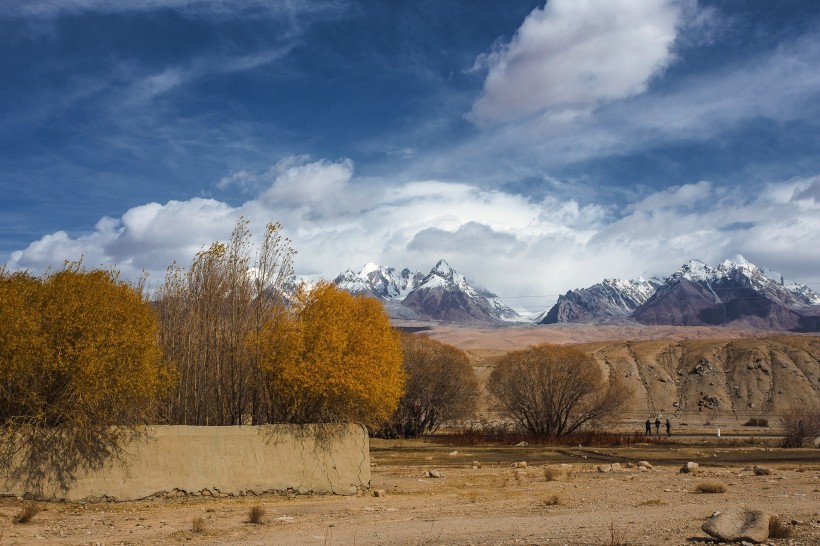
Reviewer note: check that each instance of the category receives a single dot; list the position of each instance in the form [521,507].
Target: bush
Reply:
[333,358]
[80,370]
[26,514]
[800,426]
[441,386]
[198,525]
[777,529]
[552,390]
[756,422]
[711,486]
[256,515]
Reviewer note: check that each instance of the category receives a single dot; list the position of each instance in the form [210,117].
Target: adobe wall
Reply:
[224,461]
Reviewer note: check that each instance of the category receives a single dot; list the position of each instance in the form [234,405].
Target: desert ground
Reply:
[561,496]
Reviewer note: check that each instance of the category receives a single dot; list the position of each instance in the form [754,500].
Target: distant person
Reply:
[668,428]
[648,428]
[657,426]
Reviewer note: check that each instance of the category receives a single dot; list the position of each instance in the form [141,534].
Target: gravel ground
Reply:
[560,497]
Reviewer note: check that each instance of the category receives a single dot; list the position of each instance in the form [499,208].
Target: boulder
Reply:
[522,464]
[761,470]
[738,524]
[644,464]
[604,468]
[433,474]
[689,468]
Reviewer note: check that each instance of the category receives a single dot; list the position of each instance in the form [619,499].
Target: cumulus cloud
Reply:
[526,250]
[572,55]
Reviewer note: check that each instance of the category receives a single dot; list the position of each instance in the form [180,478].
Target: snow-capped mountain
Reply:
[610,298]
[444,294]
[736,292]
[384,283]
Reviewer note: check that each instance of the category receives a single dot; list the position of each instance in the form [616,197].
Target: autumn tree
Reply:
[333,358]
[441,386]
[207,315]
[80,369]
[552,390]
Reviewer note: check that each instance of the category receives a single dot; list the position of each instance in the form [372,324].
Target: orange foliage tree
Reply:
[333,358]
[80,368]
[551,390]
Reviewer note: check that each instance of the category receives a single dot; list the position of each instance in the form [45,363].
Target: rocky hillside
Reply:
[738,377]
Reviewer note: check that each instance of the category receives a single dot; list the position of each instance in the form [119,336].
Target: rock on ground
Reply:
[738,524]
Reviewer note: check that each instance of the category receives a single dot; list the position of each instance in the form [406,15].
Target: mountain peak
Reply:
[369,267]
[442,268]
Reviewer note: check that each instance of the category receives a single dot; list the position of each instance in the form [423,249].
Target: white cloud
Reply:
[572,55]
[513,245]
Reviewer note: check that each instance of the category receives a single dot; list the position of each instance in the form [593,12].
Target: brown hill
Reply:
[689,374]
[730,377]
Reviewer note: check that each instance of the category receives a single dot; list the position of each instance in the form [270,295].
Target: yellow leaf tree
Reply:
[80,369]
[334,358]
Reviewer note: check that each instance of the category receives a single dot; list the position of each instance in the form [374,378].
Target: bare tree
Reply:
[552,390]
[441,386]
[801,425]
[207,316]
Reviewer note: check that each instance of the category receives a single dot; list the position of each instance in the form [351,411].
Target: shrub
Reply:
[800,426]
[711,486]
[198,525]
[26,513]
[256,515]
[552,390]
[756,422]
[777,529]
[339,360]
[441,386]
[552,500]
[80,370]
[550,474]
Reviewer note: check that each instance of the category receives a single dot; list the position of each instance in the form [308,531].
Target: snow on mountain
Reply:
[610,298]
[747,274]
[384,283]
[737,292]
[445,294]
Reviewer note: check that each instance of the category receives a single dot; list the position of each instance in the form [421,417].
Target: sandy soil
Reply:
[494,504]
[521,336]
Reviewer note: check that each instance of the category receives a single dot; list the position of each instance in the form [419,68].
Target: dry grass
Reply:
[551,474]
[26,513]
[198,525]
[256,515]
[778,529]
[615,535]
[552,500]
[711,486]
[762,471]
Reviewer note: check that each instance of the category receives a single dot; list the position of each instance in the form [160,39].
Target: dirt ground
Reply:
[559,498]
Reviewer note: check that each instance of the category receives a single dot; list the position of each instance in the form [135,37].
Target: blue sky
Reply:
[537,147]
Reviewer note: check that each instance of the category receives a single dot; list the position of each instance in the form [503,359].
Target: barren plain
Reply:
[561,496]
